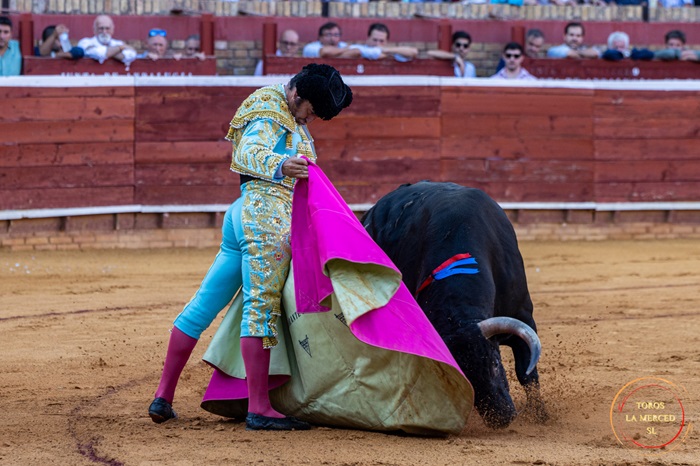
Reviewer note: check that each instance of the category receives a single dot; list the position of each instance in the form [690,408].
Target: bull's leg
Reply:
[534,407]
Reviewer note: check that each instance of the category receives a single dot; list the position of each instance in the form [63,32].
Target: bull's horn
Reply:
[499,325]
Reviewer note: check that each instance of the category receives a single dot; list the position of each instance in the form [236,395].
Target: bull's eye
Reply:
[495,368]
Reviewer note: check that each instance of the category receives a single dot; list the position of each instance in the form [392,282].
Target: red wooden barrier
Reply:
[275,65]
[91,146]
[604,69]
[26,34]
[207,34]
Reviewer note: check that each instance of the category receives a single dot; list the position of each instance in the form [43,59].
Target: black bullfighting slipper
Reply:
[259,422]
[161,411]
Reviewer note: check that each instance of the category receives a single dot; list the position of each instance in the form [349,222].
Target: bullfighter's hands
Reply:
[296,167]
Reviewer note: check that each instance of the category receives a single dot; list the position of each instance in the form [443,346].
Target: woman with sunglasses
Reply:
[461,41]
[269,136]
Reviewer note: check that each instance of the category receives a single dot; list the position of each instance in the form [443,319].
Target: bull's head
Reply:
[481,363]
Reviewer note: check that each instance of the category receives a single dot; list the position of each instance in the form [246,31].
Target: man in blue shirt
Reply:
[573,44]
[10,54]
[329,44]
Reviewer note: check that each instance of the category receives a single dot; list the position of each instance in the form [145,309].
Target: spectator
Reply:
[288,46]
[55,44]
[193,47]
[461,41]
[102,46]
[156,45]
[534,46]
[513,55]
[618,46]
[375,47]
[676,48]
[534,43]
[329,44]
[10,54]
[573,44]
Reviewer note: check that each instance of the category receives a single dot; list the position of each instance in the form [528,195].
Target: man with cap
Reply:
[269,138]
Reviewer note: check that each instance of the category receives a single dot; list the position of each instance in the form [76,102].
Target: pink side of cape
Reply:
[324,228]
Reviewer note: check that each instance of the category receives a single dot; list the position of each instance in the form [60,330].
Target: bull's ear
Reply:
[508,325]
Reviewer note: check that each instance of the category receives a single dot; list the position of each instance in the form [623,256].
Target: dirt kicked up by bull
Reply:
[459,256]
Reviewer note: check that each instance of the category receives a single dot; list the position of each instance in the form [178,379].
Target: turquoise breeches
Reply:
[255,254]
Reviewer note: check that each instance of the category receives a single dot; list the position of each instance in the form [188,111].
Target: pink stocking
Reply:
[257,368]
[179,349]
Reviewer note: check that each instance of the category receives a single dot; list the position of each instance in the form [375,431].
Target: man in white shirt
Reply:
[102,46]
[329,44]
[375,47]
[513,56]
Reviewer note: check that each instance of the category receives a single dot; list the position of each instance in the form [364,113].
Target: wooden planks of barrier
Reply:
[548,68]
[164,144]
[186,113]
[275,65]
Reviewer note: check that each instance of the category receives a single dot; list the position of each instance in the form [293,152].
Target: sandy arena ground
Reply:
[83,334]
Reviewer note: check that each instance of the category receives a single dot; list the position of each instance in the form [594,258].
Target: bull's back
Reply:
[430,213]
[422,225]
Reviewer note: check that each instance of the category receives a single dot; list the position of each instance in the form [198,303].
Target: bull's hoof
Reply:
[499,420]
[535,411]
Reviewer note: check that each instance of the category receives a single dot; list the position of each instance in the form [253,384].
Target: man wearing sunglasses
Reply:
[193,49]
[156,45]
[461,42]
[102,46]
[513,54]
[534,46]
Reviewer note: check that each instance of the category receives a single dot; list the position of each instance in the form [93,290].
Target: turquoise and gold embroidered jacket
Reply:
[264,134]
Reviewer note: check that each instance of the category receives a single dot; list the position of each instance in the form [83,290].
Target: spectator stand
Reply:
[239,44]
[543,68]
[274,65]
[33,65]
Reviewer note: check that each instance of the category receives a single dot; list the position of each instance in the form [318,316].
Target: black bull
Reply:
[484,303]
